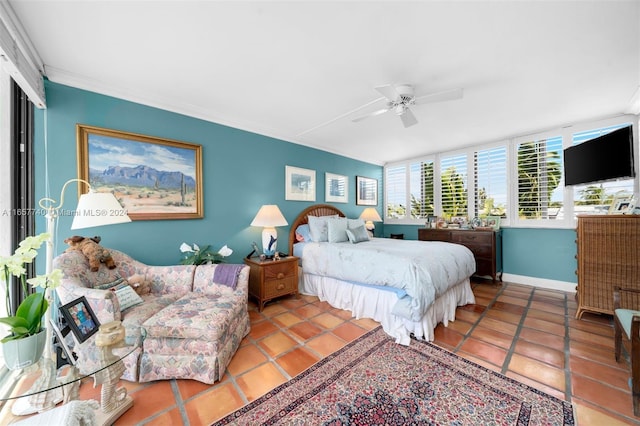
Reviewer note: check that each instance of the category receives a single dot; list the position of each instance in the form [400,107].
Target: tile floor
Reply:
[523,332]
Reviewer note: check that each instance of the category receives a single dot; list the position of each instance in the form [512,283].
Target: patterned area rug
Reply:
[374,381]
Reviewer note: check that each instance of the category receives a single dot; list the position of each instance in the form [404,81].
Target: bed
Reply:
[407,286]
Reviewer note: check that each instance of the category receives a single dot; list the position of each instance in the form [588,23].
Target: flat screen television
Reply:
[606,157]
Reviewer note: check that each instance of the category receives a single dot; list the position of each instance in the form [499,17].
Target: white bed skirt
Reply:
[367,302]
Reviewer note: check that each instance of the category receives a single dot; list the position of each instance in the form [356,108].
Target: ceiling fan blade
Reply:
[372,114]
[446,95]
[408,119]
[389,92]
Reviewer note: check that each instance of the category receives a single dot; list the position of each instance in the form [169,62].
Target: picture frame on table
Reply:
[80,318]
[366,191]
[461,221]
[300,184]
[153,178]
[622,204]
[493,222]
[64,355]
[336,188]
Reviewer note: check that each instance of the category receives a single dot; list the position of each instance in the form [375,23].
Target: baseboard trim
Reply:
[540,282]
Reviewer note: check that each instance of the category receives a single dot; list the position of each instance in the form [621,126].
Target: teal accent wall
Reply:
[241,172]
[542,253]
[532,252]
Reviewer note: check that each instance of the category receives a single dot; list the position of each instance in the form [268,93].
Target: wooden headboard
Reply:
[316,210]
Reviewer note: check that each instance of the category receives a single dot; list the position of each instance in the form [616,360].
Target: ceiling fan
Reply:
[400,97]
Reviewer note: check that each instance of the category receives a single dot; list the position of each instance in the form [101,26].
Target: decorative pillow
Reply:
[303,234]
[354,223]
[337,230]
[318,227]
[109,285]
[127,296]
[358,235]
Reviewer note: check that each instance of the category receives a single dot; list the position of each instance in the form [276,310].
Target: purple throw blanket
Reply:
[227,274]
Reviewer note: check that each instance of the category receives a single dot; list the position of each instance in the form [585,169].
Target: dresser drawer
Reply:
[278,271]
[280,287]
[433,235]
[471,237]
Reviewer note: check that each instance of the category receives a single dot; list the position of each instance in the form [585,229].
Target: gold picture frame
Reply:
[153,178]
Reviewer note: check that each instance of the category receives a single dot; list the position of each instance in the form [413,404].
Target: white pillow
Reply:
[337,230]
[358,235]
[318,228]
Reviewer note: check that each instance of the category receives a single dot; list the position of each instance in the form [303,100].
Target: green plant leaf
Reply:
[27,320]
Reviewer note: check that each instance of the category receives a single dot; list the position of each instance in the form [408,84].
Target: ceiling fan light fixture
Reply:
[401,98]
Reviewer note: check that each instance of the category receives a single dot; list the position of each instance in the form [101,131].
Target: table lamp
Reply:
[269,216]
[370,215]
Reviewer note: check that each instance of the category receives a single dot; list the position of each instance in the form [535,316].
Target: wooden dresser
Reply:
[608,255]
[485,245]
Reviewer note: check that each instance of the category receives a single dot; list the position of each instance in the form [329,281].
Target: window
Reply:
[421,188]
[5,172]
[490,183]
[596,198]
[410,185]
[395,183]
[540,189]
[453,183]
[520,180]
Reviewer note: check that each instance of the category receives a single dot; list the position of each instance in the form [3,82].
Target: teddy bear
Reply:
[95,253]
[139,284]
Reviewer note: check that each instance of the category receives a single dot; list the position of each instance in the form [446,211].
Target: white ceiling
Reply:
[300,71]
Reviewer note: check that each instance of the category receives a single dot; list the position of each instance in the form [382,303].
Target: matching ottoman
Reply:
[193,338]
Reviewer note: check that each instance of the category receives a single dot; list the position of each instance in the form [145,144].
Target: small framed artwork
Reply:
[336,188]
[80,318]
[431,221]
[459,220]
[300,184]
[152,178]
[64,355]
[366,191]
[622,204]
[493,222]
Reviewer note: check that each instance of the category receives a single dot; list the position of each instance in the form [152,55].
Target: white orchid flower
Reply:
[51,280]
[195,247]
[225,251]
[185,248]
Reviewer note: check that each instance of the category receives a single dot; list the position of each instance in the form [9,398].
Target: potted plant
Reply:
[200,256]
[26,340]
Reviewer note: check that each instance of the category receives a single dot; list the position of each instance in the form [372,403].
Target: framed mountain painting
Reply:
[153,178]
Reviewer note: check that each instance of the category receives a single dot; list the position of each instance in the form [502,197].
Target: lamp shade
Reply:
[97,209]
[269,215]
[370,215]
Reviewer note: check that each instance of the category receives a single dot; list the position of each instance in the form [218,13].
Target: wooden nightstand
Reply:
[269,279]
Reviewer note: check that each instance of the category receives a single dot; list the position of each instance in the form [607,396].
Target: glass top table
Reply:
[10,382]
[42,386]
